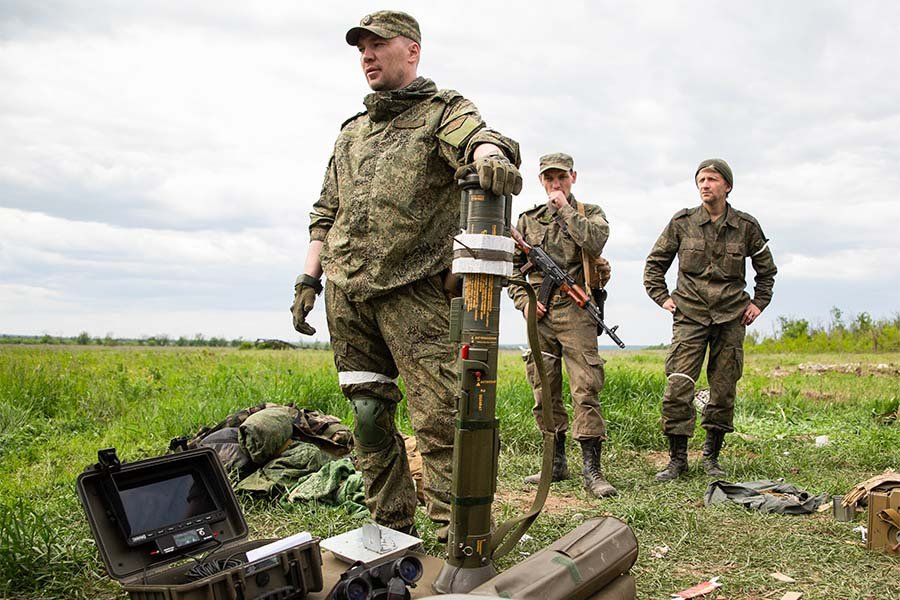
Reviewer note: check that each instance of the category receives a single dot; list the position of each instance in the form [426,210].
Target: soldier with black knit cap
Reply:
[710,308]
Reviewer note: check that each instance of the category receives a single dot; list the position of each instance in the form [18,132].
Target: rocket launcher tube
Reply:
[540,260]
[482,253]
[475,326]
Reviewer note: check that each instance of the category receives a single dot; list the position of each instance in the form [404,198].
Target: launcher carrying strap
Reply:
[508,534]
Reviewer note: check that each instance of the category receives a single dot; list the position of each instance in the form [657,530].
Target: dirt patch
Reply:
[661,459]
[818,395]
[556,502]
[780,371]
[855,368]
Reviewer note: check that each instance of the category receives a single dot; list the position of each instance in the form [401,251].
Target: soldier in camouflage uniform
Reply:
[565,330]
[710,308]
[381,231]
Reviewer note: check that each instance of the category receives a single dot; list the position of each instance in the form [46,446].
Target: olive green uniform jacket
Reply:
[387,212]
[710,299]
[566,332]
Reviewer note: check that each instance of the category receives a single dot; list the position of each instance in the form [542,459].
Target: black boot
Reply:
[678,462]
[560,466]
[711,448]
[591,450]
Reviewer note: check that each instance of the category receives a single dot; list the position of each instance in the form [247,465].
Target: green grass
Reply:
[59,404]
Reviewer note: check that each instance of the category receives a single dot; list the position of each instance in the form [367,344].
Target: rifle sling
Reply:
[585,259]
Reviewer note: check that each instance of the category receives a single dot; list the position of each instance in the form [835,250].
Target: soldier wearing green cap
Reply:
[381,232]
[710,309]
[566,229]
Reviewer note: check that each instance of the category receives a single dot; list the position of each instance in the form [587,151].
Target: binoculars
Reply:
[389,580]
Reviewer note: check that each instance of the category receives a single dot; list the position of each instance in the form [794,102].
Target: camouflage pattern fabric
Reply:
[712,261]
[723,370]
[538,227]
[336,483]
[566,331]
[233,420]
[401,333]
[280,474]
[389,203]
[323,430]
[386,24]
[309,426]
[264,434]
[227,447]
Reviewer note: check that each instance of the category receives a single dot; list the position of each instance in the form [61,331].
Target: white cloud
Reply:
[164,156]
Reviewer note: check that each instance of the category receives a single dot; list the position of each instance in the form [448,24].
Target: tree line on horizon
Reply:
[856,333]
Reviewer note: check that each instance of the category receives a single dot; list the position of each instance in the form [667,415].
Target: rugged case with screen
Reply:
[147,574]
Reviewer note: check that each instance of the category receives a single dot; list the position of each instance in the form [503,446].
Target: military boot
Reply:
[678,462]
[591,450]
[560,466]
[711,448]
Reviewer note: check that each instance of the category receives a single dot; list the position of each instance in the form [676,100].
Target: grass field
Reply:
[58,405]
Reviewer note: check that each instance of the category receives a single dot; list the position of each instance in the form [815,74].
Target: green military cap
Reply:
[718,165]
[386,24]
[557,160]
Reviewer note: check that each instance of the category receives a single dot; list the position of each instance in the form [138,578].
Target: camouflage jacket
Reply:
[539,228]
[711,264]
[390,202]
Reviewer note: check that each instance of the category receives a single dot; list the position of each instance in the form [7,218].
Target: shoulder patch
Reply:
[353,118]
[458,130]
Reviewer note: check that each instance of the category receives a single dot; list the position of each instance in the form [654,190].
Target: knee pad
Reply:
[374,423]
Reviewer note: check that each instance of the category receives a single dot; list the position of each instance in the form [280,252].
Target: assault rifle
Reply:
[556,277]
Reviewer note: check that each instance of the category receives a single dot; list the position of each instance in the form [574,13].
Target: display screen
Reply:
[162,503]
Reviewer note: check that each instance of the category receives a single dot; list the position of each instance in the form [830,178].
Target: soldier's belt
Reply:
[482,253]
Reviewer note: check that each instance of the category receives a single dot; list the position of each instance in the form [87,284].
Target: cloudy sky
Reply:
[158,160]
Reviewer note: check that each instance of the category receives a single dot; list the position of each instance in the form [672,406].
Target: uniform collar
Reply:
[385,105]
[731,217]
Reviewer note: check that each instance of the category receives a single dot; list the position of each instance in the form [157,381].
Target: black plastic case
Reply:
[142,558]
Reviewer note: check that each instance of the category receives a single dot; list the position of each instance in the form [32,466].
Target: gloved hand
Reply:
[305,290]
[495,173]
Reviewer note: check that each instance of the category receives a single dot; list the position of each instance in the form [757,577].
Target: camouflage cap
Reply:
[557,160]
[718,165]
[386,24]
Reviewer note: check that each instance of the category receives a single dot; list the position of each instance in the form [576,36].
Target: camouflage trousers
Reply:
[723,370]
[568,334]
[400,333]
